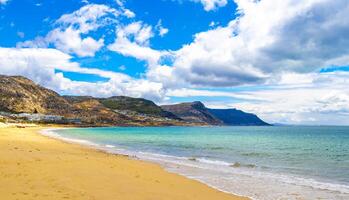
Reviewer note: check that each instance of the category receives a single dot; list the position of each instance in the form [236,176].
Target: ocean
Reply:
[264,163]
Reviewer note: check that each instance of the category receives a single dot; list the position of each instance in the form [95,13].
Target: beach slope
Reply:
[36,167]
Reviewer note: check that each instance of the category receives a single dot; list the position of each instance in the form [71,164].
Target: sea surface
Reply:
[265,163]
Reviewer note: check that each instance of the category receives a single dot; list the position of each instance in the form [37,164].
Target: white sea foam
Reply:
[240,180]
[247,182]
[51,133]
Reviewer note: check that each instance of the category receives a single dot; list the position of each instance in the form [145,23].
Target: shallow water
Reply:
[259,162]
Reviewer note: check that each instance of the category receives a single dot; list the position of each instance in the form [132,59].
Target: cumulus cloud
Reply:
[70,41]
[313,105]
[133,40]
[267,39]
[68,36]
[138,88]
[212,4]
[23,60]
[41,65]
[295,99]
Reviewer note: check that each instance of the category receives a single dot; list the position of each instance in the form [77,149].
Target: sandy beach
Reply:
[33,166]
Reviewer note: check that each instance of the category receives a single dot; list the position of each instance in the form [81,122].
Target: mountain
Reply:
[198,113]
[21,98]
[21,95]
[195,112]
[138,105]
[234,117]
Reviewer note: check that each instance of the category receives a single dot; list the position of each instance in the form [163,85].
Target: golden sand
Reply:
[36,167]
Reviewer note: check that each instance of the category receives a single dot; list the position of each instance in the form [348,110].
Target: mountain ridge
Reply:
[21,98]
[197,112]
[21,95]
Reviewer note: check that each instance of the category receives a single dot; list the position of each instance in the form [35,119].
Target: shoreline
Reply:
[91,172]
[242,181]
[49,133]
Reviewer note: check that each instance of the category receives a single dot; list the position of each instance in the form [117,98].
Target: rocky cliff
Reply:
[195,112]
[198,113]
[21,95]
[234,117]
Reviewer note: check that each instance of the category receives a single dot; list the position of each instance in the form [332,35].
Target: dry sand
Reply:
[36,167]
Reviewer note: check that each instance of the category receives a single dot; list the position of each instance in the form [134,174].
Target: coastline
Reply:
[240,180]
[36,166]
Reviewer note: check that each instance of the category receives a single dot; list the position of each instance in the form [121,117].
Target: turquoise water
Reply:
[291,162]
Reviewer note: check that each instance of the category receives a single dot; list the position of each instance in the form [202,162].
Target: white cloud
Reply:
[267,39]
[133,40]
[88,17]
[212,4]
[212,24]
[40,65]
[13,60]
[186,92]
[162,31]
[295,99]
[212,60]
[141,33]
[3,1]
[128,13]
[70,41]
[314,105]
[127,48]
[120,2]
[135,88]
[68,36]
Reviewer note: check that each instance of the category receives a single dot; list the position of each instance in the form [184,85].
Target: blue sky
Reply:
[285,61]
[184,19]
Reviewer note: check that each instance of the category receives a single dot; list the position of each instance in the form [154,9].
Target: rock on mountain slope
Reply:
[91,111]
[21,95]
[197,112]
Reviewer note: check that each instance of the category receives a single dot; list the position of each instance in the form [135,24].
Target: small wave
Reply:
[255,154]
[216,148]
[109,146]
[51,133]
[214,162]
